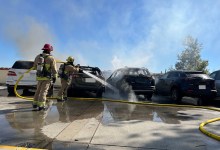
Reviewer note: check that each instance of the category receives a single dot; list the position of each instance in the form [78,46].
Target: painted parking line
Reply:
[6,147]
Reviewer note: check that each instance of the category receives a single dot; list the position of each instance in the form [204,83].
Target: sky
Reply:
[109,34]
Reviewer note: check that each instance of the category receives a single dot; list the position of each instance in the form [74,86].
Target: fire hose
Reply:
[201,126]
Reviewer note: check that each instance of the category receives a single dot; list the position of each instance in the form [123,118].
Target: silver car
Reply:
[216,76]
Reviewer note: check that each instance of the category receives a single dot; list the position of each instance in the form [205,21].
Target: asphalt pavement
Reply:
[96,125]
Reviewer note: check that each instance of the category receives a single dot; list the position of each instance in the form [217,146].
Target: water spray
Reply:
[100,80]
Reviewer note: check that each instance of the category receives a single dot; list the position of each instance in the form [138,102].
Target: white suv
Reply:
[29,79]
[18,69]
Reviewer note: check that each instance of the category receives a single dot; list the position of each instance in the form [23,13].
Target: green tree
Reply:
[190,58]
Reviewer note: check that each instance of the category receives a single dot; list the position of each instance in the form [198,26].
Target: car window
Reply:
[212,75]
[205,76]
[112,76]
[183,75]
[173,75]
[164,76]
[138,72]
[217,77]
[23,65]
[118,74]
[93,70]
[115,74]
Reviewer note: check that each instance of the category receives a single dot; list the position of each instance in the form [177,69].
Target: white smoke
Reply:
[138,60]
[29,36]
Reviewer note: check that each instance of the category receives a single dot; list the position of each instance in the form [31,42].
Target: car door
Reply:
[160,85]
[169,82]
[111,79]
[217,82]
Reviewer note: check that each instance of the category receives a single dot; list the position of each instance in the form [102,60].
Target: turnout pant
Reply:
[63,90]
[41,93]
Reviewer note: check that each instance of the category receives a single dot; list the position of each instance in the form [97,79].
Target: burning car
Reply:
[137,80]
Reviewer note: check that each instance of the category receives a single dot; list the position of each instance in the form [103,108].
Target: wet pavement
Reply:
[95,125]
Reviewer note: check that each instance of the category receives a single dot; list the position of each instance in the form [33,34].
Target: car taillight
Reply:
[11,73]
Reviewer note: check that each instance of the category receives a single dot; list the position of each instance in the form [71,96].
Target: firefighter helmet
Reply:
[47,47]
[70,59]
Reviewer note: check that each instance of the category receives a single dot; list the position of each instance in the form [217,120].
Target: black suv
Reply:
[83,82]
[137,80]
[178,84]
[216,76]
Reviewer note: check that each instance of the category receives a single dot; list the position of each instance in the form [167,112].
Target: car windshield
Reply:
[137,71]
[197,74]
[94,71]
[23,65]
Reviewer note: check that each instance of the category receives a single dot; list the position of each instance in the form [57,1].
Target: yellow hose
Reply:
[214,136]
[201,128]
[16,84]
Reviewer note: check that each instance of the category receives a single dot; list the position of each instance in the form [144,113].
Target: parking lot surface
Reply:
[96,125]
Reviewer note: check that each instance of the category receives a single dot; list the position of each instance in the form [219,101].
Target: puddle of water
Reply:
[123,112]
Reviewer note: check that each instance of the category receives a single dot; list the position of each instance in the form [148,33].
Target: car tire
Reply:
[11,90]
[99,94]
[69,92]
[200,102]
[25,91]
[148,96]
[175,95]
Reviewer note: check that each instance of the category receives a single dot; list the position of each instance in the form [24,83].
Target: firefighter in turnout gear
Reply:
[45,65]
[65,73]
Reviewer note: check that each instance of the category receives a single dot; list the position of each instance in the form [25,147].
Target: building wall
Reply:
[3,75]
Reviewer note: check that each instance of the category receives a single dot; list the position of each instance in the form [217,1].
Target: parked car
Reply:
[178,84]
[137,80]
[18,69]
[28,82]
[216,76]
[83,82]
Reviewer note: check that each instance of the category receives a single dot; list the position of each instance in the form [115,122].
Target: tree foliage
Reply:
[190,58]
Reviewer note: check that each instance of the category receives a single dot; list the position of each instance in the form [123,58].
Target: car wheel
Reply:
[175,95]
[99,94]
[11,90]
[148,96]
[108,90]
[203,101]
[200,102]
[25,91]
[70,92]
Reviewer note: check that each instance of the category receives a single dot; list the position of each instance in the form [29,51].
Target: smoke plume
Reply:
[28,36]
